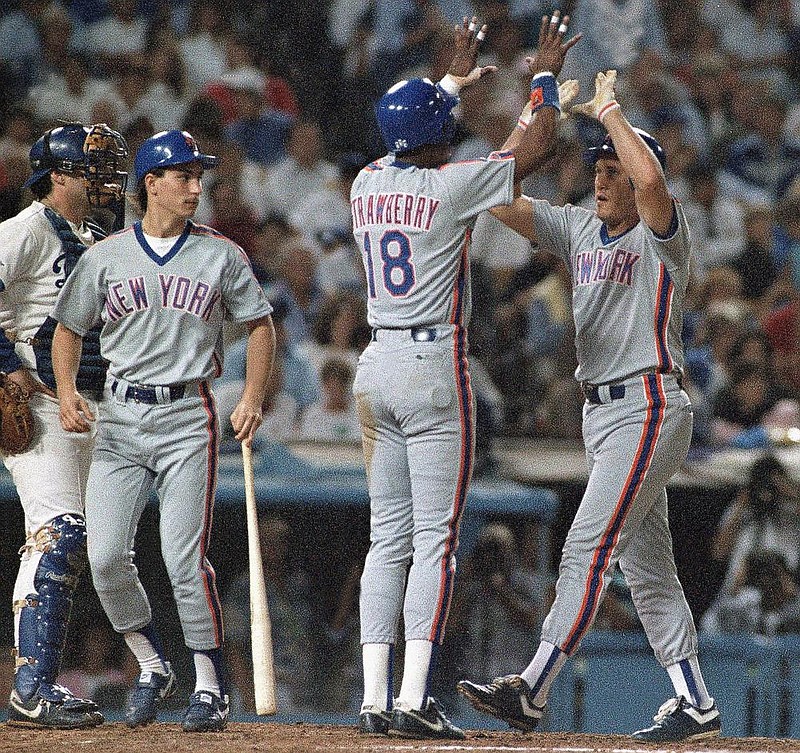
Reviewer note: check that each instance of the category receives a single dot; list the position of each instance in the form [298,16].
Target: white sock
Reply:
[688,682]
[544,668]
[377,659]
[205,674]
[415,674]
[145,653]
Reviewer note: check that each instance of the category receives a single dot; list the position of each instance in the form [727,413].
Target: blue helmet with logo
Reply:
[169,148]
[58,149]
[414,113]
[607,150]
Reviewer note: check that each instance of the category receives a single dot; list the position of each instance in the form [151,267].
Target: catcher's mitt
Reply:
[16,420]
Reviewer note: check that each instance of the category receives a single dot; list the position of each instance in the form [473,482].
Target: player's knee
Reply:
[108,566]
[62,545]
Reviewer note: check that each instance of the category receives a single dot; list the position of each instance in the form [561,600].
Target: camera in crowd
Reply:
[767,487]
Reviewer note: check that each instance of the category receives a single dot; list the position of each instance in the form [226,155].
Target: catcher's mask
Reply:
[105,154]
[95,153]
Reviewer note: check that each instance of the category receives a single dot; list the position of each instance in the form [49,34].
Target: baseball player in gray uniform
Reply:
[38,250]
[161,290]
[412,216]
[629,263]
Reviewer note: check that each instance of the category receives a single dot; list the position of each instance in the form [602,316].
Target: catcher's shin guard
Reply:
[44,615]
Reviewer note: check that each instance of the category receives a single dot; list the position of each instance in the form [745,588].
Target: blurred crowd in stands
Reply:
[283,92]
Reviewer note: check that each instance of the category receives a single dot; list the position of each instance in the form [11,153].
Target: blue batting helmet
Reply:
[607,150]
[58,149]
[169,148]
[414,113]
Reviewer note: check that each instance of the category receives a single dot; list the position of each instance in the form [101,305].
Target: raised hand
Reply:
[552,50]
[604,97]
[464,70]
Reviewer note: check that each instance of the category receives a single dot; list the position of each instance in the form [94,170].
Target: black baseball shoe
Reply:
[150,691]
[53,707]
[207,712]
[429,722]
[374,721]
[508,698]
[678,720]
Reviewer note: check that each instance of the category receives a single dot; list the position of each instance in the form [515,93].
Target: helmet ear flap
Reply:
[449,128]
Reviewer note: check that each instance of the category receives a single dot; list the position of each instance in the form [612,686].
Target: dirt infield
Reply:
[310,738]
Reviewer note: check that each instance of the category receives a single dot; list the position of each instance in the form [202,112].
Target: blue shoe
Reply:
[150,691]
[678,720]
[507,698]
[207,712]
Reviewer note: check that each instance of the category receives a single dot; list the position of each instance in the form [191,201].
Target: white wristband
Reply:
[450,85]
[607,108]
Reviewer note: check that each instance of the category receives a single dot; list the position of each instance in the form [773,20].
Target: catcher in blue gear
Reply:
[75,168]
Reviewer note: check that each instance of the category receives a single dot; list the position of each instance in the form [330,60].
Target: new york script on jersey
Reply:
[196,297]
[602,264]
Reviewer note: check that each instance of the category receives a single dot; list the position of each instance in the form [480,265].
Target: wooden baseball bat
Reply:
[260,623]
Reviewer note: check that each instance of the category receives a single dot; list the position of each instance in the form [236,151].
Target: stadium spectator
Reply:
[615,35]
[21,44]
[303,171]
[260,130]
[766,158]
[757,264]
[202,49]
[118,37]
[340,331]
[333,417]
[499,604]
[759,529]
[717,221]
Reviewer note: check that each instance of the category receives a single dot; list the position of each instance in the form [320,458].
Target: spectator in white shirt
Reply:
[333,418]
[302,172]
[117,36]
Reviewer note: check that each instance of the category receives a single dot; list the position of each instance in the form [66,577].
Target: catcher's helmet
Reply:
[169,148]
[58,149]
[606,149]
[414,113]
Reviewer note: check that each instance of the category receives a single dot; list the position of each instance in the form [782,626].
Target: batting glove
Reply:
[566,93]
[454,84]
[604,99]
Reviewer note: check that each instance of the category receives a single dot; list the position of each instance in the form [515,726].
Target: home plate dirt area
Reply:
[313,738]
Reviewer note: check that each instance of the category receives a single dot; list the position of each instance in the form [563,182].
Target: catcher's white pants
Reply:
[50,479]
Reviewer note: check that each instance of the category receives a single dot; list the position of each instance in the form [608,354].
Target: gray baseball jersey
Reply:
[162,316]
[412,383]
[413,228]
[158,426]
[627,292]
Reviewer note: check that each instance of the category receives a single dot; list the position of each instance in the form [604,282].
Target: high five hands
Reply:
[464,69]
[552,50]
